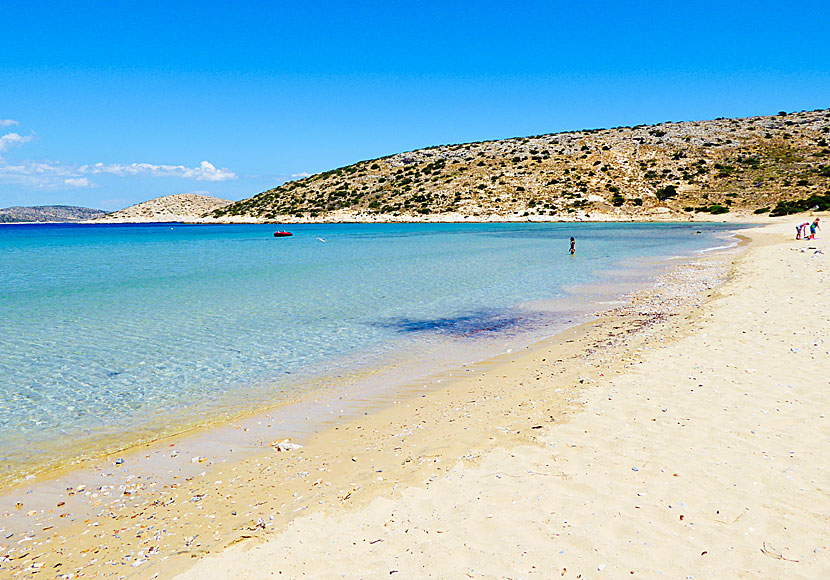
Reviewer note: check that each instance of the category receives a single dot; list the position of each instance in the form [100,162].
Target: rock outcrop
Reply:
[182,207]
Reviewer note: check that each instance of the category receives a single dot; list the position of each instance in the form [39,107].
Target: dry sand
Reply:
[682,436]
[706,457]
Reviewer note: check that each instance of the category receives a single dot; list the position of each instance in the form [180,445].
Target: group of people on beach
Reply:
[801,230]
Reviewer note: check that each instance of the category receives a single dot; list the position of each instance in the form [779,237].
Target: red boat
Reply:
[282,234]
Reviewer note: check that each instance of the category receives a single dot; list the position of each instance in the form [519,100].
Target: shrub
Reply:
[666,192]
[713,209]
[637,201]
[617,200]
[761,210]
[817,202]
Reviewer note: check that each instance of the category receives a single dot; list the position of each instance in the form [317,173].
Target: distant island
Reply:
[48,214]
[182,207]
[688,170]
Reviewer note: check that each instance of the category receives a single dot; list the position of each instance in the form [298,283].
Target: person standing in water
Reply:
[573,246]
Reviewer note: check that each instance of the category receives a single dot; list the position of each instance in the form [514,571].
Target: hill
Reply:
[681,170]
[48,213]
[183,207]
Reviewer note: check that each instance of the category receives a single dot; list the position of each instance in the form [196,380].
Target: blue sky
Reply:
[108,104]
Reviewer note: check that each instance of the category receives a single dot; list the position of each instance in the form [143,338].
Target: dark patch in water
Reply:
[462,326]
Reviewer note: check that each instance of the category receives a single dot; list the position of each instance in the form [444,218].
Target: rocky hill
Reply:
[672,170]
[183,207]
[48,213]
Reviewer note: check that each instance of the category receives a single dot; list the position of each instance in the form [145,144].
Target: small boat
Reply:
[282,234]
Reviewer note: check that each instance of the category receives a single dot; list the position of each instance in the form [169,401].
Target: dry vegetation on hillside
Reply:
[169,208]
[643,172]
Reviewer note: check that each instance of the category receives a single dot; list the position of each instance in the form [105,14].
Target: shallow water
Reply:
[110,333]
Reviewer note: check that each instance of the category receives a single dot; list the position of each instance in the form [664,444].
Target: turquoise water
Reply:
[108,330]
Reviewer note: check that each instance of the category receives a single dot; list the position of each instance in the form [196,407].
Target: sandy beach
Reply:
[683,436]
[702,454]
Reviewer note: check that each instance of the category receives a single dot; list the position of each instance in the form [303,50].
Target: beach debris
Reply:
[198,459]
[259,525]
[285,445]
[769,551]
[119,461]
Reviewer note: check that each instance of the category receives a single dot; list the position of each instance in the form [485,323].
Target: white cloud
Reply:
[205,172]
[13,139]
[208,172]
[301,174]
[49,174]
[37,174]
[78,182]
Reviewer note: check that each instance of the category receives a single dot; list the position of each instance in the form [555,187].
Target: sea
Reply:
[115,334]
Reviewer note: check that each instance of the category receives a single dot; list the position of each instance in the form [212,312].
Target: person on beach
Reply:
[573,246]
[801,230]
[813,228]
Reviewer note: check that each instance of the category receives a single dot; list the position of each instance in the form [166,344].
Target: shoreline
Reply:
[568,344]
[553,314]
[695,447]
[670,216]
